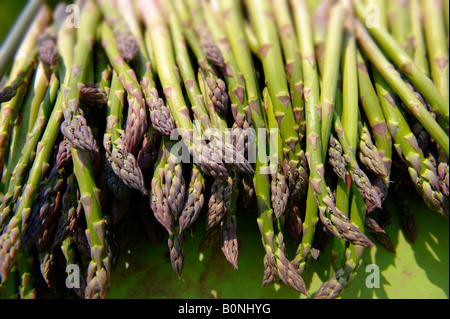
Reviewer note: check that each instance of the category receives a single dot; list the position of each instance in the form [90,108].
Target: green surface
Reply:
[420,270]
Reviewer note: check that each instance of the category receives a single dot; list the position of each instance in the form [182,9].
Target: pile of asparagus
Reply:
[310,113]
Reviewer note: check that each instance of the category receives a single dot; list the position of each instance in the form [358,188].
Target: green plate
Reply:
[419,270]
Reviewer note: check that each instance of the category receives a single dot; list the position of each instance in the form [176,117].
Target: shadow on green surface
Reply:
[419,270]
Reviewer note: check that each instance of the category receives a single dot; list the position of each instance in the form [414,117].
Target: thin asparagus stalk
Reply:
[28,152]
[209,160]
[332,218]
[230,71]
[434,28]
[10,238]
[320,24]
[421,169]
[174,185]
[276,264]
[331,71]
[122,162]
[235,30]
[242,133]
[99,265]
[220,202]
[279,188]
[400,59]
[158,202]
[11,109]
[374,113]
[418,41]
[394,80]
[271,56]
[137,116]
[160,116]
[28,113]
[194,200]
[293,63]
[34,17]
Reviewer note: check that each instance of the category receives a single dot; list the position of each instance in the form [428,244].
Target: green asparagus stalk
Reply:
[293,64]
[208,159]
[374,113]
[434,29]
[160,116]
[394,80]
[137,124]
[401,60]
[279,188]
[230,71]
[194,200]
[158,202]
[418,41]
[99,265]
[235,30]
[332,218]
[271,57]
[276,264]
[330,71]
[320,24]
[400,23]
[28,113]
[10,238]
[11,109]
[122,162]
[422,171]
[28,152]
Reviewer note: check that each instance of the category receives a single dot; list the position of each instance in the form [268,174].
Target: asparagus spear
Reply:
[400,23]
[10,239]
[28,113]
[271,56]
[400,87]
[235,31]
[332,217]
[10,109]
[276,264]
[208,158]
[194,200]
[160,116]
[403,62]
[434,29]
[122,162]
[418,41]
[422,171]
[28,152]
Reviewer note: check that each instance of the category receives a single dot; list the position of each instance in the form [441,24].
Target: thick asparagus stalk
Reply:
[400,23]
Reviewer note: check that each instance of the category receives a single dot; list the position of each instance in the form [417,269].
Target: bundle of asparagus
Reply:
[300,110]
